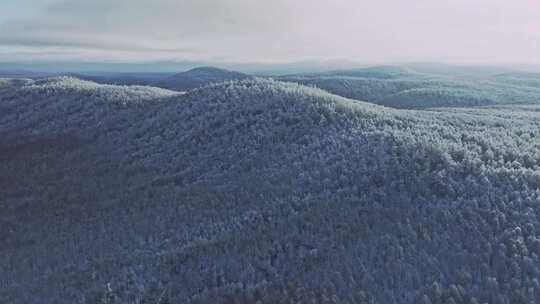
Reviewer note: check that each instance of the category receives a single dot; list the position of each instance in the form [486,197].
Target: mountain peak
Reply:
[199,77]
[209,69]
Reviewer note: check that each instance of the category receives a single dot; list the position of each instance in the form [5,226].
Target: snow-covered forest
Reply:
[272,191]
[413,88]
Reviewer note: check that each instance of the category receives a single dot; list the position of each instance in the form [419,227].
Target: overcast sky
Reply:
[271,31]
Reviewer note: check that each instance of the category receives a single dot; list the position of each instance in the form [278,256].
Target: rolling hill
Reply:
[183,81]
[122,78]
[260,190]
[407,88]
[374,72]
[199,77]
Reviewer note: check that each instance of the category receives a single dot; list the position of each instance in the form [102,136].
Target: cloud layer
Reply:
[248,31]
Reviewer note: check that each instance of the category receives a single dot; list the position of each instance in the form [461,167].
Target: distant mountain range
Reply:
[191,79]
[408,87]
[427,87]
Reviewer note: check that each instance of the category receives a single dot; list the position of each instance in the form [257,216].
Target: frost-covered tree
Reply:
[264,191]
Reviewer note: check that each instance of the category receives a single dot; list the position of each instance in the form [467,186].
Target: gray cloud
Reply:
[282,30]
[174,28]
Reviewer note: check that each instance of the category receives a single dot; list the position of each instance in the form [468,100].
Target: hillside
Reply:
[260,190]
[122,78]
[375,72]
[406,88]
[183,81]
[521,78]
[199,77]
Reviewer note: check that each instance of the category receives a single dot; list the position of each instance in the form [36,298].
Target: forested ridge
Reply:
[410,88]
[264,191]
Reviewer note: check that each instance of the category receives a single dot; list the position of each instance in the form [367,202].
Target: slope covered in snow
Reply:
[199,77]
[407,88]
[263,190]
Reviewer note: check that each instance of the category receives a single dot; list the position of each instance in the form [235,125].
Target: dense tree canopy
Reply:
[265,191]
[406,88]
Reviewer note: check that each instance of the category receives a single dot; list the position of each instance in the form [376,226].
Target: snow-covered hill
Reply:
[199,77]
[266,191]
[417,88]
